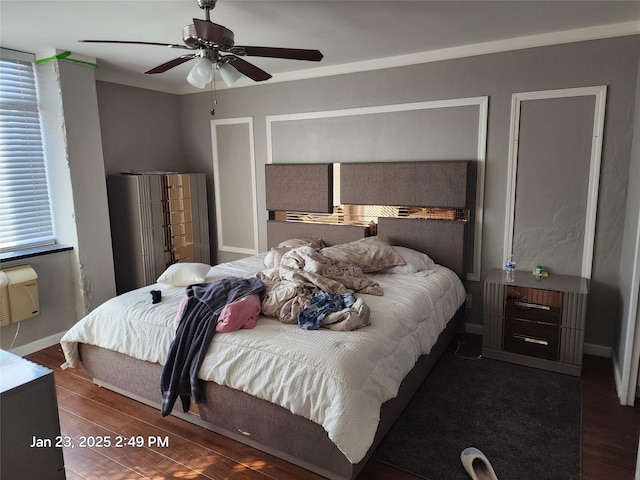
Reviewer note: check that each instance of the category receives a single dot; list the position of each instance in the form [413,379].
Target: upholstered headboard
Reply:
[304,188]
[443,240]
[415,184]
[435,184]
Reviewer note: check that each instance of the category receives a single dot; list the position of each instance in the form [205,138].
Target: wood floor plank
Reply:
[218,466]
[609,430]
[125,405]
[95,411]
[242,453]
[78,385]
[92,465]
[170,445]
[51,357]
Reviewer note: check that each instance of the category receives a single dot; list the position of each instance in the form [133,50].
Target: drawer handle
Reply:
[532,305]
[539,322]
[537,341]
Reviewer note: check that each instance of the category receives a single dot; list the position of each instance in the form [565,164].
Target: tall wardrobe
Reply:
[157,219]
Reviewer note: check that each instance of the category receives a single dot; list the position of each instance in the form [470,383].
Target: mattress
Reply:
[336,379]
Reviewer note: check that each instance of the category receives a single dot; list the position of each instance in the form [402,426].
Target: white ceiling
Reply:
[352,35]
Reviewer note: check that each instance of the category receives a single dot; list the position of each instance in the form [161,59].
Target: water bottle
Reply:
[510,270]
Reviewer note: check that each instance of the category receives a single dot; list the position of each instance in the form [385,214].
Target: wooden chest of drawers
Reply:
[539,323]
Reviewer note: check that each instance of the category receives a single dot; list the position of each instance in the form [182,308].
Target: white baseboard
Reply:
[589,348]
[39,344]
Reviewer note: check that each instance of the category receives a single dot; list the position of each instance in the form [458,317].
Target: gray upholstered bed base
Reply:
[257,422]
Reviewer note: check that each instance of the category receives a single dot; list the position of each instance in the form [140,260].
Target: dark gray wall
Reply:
[611,62]
[140,129]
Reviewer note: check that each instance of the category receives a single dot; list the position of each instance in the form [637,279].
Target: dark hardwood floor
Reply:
[609,435]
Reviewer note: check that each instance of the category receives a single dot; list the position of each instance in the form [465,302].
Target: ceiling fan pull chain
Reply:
[214,95]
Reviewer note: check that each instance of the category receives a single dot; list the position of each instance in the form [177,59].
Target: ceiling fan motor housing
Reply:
[190,38]
[207,4]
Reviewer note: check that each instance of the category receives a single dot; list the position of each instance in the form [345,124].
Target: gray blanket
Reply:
[194,334]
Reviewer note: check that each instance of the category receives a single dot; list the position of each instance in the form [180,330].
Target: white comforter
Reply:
[336,379]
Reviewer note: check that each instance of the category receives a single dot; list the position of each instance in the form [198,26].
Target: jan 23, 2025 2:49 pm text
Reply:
[100,441]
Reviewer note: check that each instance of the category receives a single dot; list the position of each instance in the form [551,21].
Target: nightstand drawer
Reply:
[531,338]
[533,311]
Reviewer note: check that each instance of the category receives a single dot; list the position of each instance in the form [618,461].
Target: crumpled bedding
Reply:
[336,379]
[337,311]
[304,270]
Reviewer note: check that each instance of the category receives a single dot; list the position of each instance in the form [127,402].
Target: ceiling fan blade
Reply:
[248,69]
[171,63]
[275,52]
[211,32]
[170,45]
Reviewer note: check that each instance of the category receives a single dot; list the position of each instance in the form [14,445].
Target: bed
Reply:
[339,391]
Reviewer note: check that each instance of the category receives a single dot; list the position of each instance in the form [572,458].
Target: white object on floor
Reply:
[477,465]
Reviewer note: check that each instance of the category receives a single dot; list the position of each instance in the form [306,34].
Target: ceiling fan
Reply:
[215,47]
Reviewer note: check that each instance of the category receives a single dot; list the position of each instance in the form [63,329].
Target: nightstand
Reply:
[539,323]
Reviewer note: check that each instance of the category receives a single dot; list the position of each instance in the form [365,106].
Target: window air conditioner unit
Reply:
[18,294]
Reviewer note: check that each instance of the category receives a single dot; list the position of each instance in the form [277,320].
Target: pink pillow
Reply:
[242,313]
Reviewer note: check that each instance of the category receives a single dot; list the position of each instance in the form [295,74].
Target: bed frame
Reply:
[266,426]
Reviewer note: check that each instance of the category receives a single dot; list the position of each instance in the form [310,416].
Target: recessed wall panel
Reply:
[235,190]
[554,151]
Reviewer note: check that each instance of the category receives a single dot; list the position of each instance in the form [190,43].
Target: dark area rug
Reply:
[526,421]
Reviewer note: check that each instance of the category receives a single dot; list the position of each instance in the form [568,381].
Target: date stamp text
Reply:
[101,441]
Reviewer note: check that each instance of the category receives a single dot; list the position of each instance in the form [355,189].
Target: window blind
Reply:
[25,211]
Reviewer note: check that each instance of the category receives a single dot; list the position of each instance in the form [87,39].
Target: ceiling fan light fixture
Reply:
[229,74]
[201,73]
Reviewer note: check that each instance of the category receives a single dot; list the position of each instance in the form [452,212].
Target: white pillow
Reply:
[415,261]
[184,274]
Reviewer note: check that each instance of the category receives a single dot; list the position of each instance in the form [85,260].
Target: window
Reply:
[25,212]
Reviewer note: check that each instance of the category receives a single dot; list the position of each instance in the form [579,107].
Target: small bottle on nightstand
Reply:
[510,271]
[538,272]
